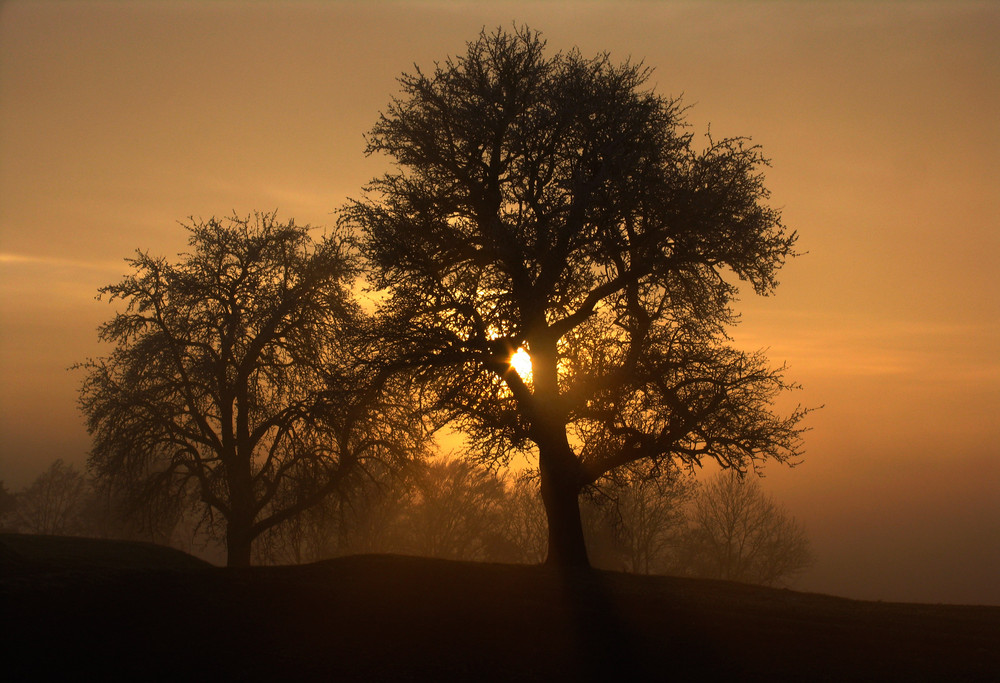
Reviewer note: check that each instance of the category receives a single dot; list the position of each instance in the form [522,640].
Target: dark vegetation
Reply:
[455,509]
[98,610]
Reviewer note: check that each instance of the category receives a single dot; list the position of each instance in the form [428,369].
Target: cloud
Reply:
[7,259]
[857,346]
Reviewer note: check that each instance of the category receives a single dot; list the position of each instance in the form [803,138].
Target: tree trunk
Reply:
[239,523]
[561,497]
[557,463]
[238,542]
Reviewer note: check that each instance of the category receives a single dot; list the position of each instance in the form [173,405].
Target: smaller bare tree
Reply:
[524,520]
[457,511]
[8,506]
[737,532]
[360,518]
[54,503]
[645,509]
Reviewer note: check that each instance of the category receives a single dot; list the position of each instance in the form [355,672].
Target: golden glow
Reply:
[521,362]
[909,377]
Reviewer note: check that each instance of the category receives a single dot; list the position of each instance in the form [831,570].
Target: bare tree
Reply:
[362,518]
[456,511]
[234,376]
[441,507]
[301,538]
[371,519]
[738,533]
[648,516]
[524,520]
[8,506]
[556,205]
[54,503]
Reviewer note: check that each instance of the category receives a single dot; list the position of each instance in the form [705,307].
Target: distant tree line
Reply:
[65,501]
[453,508]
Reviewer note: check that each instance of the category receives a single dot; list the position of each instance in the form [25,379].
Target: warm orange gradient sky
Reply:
[882,121]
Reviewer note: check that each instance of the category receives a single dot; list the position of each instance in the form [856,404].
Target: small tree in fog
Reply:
[146,513]
[301,538]
[524,520]
[647,516]
[358,519]
[8,505]
[54,503]
[738,533]
[456,511]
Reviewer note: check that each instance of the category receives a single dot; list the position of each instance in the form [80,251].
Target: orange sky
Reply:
[882,121]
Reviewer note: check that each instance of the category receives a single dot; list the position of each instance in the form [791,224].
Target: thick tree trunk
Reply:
[239,523]
[238,543]
[557,463]
[561,497]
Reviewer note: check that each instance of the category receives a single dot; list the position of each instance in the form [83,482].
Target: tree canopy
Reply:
[556,204]
[234,372]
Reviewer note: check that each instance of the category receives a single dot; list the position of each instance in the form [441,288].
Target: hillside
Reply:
[106,610]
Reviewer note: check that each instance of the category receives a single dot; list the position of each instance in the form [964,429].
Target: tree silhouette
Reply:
[555,204]
[8,506]
[456,511]
[54,503]
[130,510]
[234,372]
[738,533]
[647,512]
[524,520]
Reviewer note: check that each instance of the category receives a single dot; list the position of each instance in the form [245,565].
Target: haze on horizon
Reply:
[117,120]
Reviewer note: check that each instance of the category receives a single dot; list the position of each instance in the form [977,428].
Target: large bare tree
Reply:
[556,204]
[234,371]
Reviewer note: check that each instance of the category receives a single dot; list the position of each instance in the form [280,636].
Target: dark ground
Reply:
[76,609]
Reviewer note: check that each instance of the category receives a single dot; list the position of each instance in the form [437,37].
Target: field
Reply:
[77,609]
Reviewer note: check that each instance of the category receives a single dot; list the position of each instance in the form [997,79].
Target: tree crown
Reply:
[557,203]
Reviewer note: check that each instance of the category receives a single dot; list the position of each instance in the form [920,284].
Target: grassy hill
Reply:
[103,610]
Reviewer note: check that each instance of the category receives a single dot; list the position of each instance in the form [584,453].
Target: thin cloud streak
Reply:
[827,342]
[8,259]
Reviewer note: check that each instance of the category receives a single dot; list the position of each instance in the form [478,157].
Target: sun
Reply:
[521,362]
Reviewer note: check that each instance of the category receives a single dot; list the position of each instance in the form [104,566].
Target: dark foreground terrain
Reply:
[76,609]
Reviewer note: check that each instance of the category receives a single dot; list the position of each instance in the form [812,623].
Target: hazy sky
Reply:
[882,121]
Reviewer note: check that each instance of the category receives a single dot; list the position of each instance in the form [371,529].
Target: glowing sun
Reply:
[521,362]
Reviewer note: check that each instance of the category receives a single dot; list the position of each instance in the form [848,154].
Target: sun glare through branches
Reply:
[521,362]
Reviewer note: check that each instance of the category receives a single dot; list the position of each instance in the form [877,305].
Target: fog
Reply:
[880,122]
